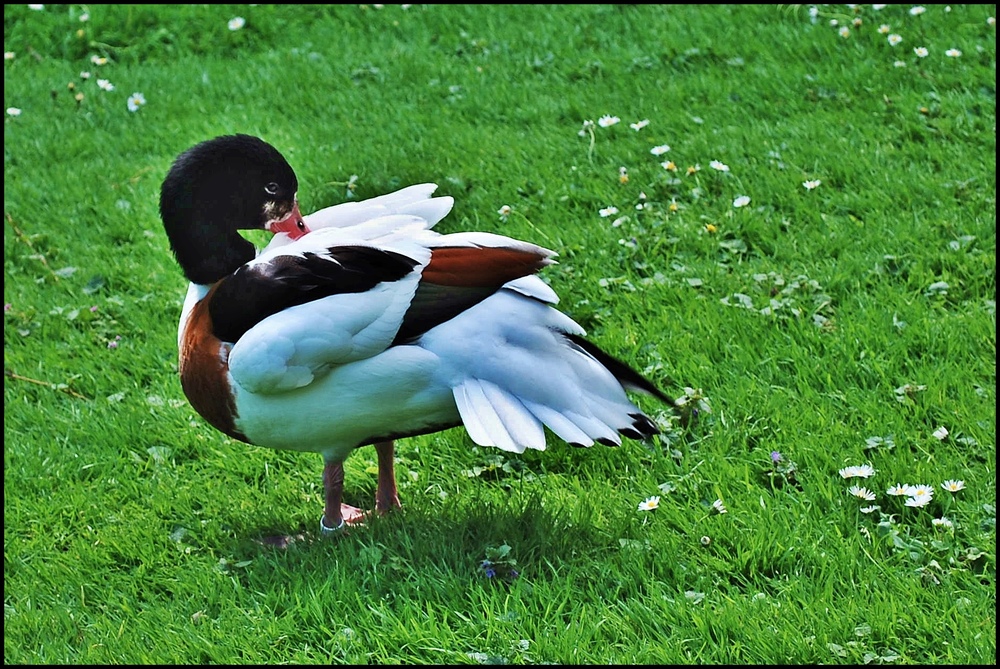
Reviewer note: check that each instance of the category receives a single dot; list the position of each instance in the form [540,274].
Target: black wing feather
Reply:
[254,292]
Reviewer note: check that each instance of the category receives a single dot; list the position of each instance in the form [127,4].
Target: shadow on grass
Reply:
[546,537]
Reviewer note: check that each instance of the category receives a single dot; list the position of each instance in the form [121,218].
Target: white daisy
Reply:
[639,125]
[719,165]
[135,101]
[659,150]
[859,471]
[862,493]
[741,201]
[649,504]
[236,23]
[607,121]
[952,485]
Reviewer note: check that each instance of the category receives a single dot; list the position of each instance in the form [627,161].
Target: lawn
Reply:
[785,216]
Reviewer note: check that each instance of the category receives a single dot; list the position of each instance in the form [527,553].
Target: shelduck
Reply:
[358,324]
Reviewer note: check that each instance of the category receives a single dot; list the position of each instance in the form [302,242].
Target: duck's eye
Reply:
[301,224]
[271,188]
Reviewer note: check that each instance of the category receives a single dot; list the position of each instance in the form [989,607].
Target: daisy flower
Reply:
[812,183]
[870,509]
[84,17]
[917,11]
[952,485]
[135,101]
[943,522]
[920,51]
[884,29]
[953,53]
[894,39]
[105,85]
[98,60]
[741,201]
[899,63]
[862,471]
[13,111]
[607,121]
[639,125]
[991,21]
[36,8]
[623,174]
[236,23]
[649,504]
[940,434]
[608,211]
[921,495]
[900,489]
[693,168]
[659,150]
[8,55]
[845,32]
[719,507]
[862,493]
[917,502]
[719,165]
[504,211]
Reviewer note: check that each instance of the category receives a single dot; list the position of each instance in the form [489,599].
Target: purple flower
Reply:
[8,306]
[775,457]
[93,309]
[513,573]
[490,573]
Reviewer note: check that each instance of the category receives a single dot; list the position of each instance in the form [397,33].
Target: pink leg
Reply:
[335,513]
[386,495]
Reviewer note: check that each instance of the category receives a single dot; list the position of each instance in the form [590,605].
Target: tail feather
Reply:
[515,364]
[628,377]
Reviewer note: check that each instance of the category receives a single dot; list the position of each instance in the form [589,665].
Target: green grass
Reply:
[130,526]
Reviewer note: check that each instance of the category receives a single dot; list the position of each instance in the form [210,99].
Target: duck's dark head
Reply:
[230,183]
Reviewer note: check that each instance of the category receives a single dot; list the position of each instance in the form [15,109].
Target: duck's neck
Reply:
[207,253]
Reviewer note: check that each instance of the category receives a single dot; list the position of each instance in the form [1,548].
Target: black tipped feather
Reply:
[628,377]
[644,424]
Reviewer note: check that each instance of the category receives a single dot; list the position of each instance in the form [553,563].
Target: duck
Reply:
[358,324]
